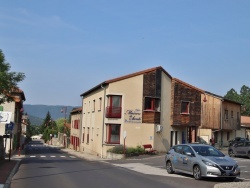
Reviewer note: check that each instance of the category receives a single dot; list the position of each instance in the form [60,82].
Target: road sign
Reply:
[9,127]
[5,117]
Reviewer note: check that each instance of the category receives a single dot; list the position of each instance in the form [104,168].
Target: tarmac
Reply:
[9,166]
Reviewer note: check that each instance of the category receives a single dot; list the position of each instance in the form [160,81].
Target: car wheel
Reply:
[197,172]
[231,153]
[169,167]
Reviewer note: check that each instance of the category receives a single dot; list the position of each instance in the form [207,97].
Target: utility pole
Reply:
[64,110]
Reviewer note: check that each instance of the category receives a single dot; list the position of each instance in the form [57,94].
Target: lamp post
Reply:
[64,110]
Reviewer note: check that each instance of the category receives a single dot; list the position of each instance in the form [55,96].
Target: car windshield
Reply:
[207,151]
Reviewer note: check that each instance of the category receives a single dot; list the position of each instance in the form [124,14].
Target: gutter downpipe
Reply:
[103,117]
[221,119]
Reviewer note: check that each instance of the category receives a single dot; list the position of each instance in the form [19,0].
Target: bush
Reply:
[128,150]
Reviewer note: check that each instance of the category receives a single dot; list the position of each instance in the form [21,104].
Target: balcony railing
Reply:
[113,112]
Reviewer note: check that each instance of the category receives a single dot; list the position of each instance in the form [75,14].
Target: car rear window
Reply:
[207,151]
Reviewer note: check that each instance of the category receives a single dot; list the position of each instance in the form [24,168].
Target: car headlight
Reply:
[208,163]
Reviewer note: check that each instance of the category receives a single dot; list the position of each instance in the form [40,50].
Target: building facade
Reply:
[220,119]
[75,131]
[14,139]
[131,110]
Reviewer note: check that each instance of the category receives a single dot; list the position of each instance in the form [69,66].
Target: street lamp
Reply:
[64,110]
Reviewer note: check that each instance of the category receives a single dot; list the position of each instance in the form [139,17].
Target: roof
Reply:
[125,77]
[76,110]
[188,85]
[245,121]
[19,91]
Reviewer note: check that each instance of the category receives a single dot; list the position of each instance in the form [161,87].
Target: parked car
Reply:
[239,149]
[237,139]
[200,161]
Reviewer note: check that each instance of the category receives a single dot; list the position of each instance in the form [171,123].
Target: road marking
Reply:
[42,156]
[53,156]
[32,156]
[62,156]
[150,170]
[72,157]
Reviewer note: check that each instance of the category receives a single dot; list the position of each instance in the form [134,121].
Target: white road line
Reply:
[146,169]
[53,156]
[32,156]
[62,156]
[72,157]
[42,156]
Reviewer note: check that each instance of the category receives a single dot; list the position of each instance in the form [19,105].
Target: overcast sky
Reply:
[67,47]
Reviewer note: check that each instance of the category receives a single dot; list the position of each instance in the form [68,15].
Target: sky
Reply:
[68,47]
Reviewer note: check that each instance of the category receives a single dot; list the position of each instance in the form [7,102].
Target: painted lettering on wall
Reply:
[133,116]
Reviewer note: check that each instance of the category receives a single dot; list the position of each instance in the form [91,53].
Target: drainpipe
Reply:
[221,120]
[103,117]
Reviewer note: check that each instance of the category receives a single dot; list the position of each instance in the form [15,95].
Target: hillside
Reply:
[37,113]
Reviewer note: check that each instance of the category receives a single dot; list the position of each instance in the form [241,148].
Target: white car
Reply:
[200,161]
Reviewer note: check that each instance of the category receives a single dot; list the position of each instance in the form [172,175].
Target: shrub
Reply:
[128,150]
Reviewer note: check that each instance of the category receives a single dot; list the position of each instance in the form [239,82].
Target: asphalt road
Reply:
[45,166]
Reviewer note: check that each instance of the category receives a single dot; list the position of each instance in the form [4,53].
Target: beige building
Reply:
[16,109]
[133,109]
[75,130]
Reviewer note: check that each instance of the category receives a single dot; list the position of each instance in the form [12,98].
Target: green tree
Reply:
[48,127]
[8,80]
[245,100]
[232,95]
[243,97]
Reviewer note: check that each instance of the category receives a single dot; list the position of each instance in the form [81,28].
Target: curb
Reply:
[7,183]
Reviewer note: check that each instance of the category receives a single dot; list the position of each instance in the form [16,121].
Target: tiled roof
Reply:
[188,85]
[76,110]
[245,121]
[125,77]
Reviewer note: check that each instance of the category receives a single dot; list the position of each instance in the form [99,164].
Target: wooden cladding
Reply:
[152,89]
[151,117]
[184,94]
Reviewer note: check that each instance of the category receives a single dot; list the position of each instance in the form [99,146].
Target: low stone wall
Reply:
[115,156]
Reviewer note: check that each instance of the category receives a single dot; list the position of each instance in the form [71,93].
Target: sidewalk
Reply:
[8,168]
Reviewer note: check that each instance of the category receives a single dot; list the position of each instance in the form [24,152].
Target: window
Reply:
[185,107]
[83,134]
[100,104]
[113,133]
[226,114]
[228,135]
[93,107]
[87,135]
[114,109]
[152,104]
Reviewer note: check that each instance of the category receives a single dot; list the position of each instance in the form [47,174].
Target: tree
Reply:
[48,127]
[8,80]
[232,95]
[245,100]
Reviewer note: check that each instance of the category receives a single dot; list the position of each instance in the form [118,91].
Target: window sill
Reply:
[150,111]
[111,144]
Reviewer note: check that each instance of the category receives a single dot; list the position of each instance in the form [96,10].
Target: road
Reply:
[45,166]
